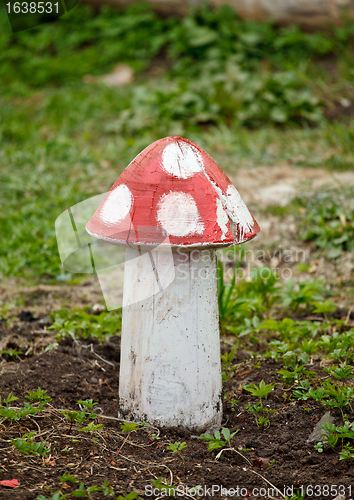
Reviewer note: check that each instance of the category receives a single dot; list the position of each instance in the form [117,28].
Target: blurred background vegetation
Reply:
[234,87]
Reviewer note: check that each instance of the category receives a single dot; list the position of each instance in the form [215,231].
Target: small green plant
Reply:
[80,323]
[17,414]
[261,391]
[319,447]
[304,293]
[82,491]
[226,290]
[177,448]
[329,394]
[346,452]
[324,307]
[329,221]
[130,496]
[27,446]
[168,490]
[296,496]
[38,395]
[80,416]
[341,371]
[128,427]
[8,400]
[88,404]
[338,346]
[65,478]
[92,429]
[289,377]
[216,441]
[12,353]
[304,392]
[74,417]
[165,488]
[263,421]
[333,435]
[58,495]
[337,396]
[226,360]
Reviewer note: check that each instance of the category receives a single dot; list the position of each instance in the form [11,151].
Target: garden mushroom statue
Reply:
[174,197]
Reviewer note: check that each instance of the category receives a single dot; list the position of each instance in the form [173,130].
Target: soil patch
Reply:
[277,454]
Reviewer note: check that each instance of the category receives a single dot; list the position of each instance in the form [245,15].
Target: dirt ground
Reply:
[276,456]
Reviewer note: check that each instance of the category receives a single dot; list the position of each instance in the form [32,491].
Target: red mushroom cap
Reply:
[173,189]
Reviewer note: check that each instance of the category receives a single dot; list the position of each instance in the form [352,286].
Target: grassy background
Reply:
[249,93]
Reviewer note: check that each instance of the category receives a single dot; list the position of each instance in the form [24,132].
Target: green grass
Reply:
[325,218]
[83,324]
[249,97]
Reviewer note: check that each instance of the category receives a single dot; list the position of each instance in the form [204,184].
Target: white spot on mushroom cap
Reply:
[117,204]
[178,214]
[182,160]
[222,218]
[238,209]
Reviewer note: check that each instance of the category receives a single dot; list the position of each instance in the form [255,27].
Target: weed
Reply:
[27,446]
[130,496]
[341,371]
[11,413]
[88,404]
[339,346]
[225,291]
[303,293]
[297,496]
[92,429]
[39,395]
[12,353]
[329,394]
[303,392]
[329,221]
[338,396]
[261,391]
[128,427]
[263,421]
[165,488]
[74,417]
[85,413]
[226,360]
[81,323]
[295,367]
[216,441]
[84,492]
[68,478]
[8,399]
[332,435]
[176,448]
[319,447]
[58,495]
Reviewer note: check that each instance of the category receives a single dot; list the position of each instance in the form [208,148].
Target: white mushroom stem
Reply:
[170,373]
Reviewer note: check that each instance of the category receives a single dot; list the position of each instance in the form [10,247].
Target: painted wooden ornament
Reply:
[172,196]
